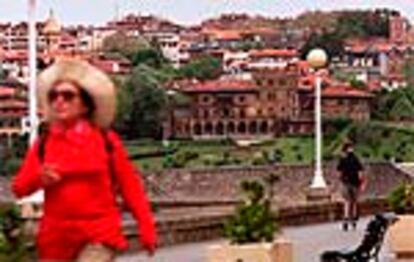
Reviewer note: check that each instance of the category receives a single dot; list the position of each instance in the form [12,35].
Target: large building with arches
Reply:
[272,103]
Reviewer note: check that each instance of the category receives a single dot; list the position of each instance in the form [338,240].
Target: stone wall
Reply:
[222,184]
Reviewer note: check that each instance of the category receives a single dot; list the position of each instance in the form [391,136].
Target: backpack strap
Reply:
[109,147]
[43,135]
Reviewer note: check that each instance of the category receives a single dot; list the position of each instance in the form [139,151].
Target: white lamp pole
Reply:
[37,197]
[32,72]
[317,58]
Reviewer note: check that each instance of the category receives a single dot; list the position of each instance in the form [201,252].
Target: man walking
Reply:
[351,178]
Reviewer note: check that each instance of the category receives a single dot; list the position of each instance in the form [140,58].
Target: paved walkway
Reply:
[308,241]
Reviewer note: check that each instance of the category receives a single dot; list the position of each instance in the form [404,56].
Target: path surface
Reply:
[309,242]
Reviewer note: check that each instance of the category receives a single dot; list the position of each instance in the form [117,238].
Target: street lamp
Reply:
[317,58]
[31,123]
[33,120]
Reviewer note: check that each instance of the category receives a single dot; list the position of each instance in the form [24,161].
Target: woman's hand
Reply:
[49,176]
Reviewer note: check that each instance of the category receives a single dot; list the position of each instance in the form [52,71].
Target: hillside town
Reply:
[264,87]
[216,134]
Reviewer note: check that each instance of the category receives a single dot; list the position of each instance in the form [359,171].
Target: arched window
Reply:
[231,128]
[253,127]
[241,128]
[197,129]
[219,128]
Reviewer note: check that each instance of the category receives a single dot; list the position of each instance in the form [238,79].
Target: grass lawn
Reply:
[374,142]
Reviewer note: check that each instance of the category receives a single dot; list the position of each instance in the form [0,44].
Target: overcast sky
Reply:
[183,11]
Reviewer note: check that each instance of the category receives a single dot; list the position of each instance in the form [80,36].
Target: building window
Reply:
[242,113]
[206,99]
[282,82]
[270,82]
[225,112]
[209,128]
[241,128]
[271,96]
[231,128]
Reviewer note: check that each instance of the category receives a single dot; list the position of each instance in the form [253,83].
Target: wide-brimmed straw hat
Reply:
[96,83]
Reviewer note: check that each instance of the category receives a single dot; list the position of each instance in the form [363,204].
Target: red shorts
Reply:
[63,239]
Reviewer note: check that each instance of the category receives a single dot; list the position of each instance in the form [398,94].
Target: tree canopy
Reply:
[349,24]
[204,68]
[124,44]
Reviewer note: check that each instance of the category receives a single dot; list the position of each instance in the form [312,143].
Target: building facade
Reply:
[271,104]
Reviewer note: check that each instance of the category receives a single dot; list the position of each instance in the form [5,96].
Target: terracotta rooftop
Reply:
[13,104]
[345,91]
[6,91]
[220,85]
[374,44]
[224,34]
[273,53]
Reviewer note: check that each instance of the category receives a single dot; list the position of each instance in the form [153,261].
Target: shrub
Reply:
[277,155]
[259,159]
[13,239]
[180,159]
[401,198]
[11,166]
[253,221]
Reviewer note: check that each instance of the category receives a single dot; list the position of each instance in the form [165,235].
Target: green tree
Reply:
[364,23]
[349,24]
[204,68]
[409,71]
[331,42]
[149,56]
[357,83]
[144,104]
[121,43]
[395,105]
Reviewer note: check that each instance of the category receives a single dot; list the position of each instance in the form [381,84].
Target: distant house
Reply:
[112,66]
[13,107]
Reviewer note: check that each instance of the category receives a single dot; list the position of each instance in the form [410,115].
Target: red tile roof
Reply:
[220,85]
[273,53]
[344,91]
[7,91]
[15,55]
[224,34]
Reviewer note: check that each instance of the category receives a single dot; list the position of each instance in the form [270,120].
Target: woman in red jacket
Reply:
[77,171]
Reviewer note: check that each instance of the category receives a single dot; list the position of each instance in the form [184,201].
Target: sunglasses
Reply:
[66,95]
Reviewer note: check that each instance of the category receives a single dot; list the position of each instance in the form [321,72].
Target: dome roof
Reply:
[52,25]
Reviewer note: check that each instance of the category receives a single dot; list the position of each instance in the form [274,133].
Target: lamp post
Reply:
[317,58]
[30,124]
[32,72]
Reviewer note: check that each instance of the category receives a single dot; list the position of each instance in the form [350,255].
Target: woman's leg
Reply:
[96,253]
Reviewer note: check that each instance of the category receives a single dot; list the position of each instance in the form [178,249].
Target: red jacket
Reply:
[82,203]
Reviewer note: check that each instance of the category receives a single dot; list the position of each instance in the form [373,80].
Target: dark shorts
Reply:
[350,192]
